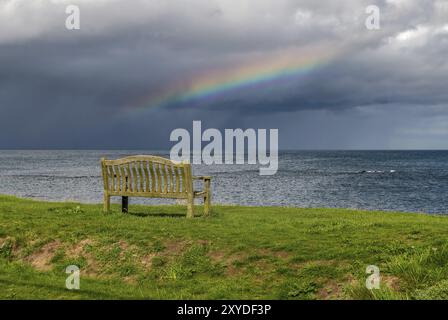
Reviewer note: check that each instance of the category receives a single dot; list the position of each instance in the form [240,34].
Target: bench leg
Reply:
[106,207]
[124,204]
[207,204]
[190,207]
[207,198]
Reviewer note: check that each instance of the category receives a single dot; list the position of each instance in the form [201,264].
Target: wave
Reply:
[377,171]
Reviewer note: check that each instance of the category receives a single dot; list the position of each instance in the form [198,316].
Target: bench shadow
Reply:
[157,214]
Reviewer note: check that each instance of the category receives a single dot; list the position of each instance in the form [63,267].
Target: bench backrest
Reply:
[146,176]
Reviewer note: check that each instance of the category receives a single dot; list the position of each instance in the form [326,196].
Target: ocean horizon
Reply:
[393,180]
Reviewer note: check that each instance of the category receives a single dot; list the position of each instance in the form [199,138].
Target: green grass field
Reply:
[237,253]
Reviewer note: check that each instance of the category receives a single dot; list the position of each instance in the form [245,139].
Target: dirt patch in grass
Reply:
[314,263]
[127,249]
[146,261]
[322,262]
[331,290]
[131,280]
[217,256]
[8,247]
[391,281]
[175,247]
[277,254]
[6,241]
[228,260]
[237,263]
[79,248]
[124,246]
[172,249]
[204,242]
[41,259]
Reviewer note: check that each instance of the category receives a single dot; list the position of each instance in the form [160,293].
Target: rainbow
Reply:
[289,64]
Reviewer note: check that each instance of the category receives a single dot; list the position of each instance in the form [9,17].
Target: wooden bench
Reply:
[152,177]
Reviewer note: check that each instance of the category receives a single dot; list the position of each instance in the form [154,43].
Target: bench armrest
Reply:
[207,181]
[202,178]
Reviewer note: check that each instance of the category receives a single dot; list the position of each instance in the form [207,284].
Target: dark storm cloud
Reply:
[61,88]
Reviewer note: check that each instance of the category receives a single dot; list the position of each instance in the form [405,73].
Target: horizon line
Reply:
[168,150]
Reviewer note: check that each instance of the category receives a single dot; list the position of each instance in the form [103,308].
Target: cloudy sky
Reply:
[137,69]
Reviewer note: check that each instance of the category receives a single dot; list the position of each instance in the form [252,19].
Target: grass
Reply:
[237,253]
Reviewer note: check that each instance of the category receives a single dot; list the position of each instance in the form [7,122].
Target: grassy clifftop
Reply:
[239,252]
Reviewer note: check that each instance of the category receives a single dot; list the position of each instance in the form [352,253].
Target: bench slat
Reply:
[176,172]
[129,178]
[170,174]
[140,176]
[165,179]
[105,176]
[145,169]
[135,176]
[117,177]
[182,170]
[123,179]
[153,178]
[111,178]
[159,177]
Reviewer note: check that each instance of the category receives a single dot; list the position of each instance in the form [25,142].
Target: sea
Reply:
[409,181]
